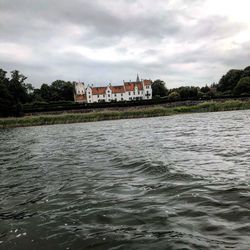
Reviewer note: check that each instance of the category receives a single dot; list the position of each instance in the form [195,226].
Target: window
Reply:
[129,93]
[130,98]
[89,97]
[78,91]
[121,99]
[89,93]
[115,95]
[108,95]
[134,92]
[104,96]
[89,100]
[121,94]
[98,96]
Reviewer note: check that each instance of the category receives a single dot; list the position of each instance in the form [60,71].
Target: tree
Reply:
[5,97]
[13,93]
[45,92]
[230,80]
[205,89]
[17,87]
[246,72]
[188,92]
[159,88]
[174,96]
[62,90]
[243,86]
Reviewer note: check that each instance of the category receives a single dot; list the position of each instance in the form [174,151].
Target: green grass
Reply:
[126,114]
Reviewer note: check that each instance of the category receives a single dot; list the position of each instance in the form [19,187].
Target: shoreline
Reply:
[156,111]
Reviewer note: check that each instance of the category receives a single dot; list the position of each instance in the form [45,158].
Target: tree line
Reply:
[16,92]
[234,83]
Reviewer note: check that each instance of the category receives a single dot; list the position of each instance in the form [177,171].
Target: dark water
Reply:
[179,182]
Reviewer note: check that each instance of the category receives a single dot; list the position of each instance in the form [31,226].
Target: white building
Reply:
[138,90]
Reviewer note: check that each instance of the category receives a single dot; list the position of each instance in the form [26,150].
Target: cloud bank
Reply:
[182,42]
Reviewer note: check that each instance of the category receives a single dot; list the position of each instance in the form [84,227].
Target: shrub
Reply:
[243,86]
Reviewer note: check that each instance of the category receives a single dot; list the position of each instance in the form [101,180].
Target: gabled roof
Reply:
[147,82]
[99,90]
[130,86]
[117,89]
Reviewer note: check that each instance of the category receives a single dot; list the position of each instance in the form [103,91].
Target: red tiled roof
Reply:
[99,90]
[147,82]
[80,98]
[130,86]
[117,89]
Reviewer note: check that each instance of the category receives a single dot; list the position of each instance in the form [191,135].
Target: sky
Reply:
[182,42]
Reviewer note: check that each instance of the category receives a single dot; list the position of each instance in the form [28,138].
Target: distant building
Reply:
[138,90]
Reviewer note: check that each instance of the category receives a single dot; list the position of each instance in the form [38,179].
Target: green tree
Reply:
[13,93]
[159,88]
[174,96]
[188,92]
[205,89]
[228,82]
[6,99]
[243,86]
[62,90]
[17,87]
[46,92]
[246,72]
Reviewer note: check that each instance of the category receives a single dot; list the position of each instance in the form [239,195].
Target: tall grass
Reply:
[125,114]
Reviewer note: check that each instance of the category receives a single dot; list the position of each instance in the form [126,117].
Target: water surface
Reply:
[179,182]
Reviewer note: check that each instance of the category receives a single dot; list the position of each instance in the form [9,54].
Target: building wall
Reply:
[89,95]
[79,88]
[145,94]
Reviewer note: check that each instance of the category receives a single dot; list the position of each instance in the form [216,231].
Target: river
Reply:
[179,182]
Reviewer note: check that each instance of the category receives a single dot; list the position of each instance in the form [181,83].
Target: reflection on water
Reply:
[179,182]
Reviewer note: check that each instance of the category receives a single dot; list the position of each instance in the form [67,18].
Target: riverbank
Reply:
[127,114]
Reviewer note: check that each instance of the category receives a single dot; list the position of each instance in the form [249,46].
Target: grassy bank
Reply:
[126,114]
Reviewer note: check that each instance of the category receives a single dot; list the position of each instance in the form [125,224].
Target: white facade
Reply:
[80,88]
[129,91]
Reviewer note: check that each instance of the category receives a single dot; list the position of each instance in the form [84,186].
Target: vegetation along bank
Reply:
[18,97]
[123,114]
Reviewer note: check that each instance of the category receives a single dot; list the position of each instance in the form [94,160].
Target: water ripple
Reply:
[180,182]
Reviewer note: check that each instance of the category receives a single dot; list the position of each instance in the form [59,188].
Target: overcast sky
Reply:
[183,42]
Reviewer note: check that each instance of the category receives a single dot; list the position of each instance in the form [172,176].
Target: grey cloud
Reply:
[42,26]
